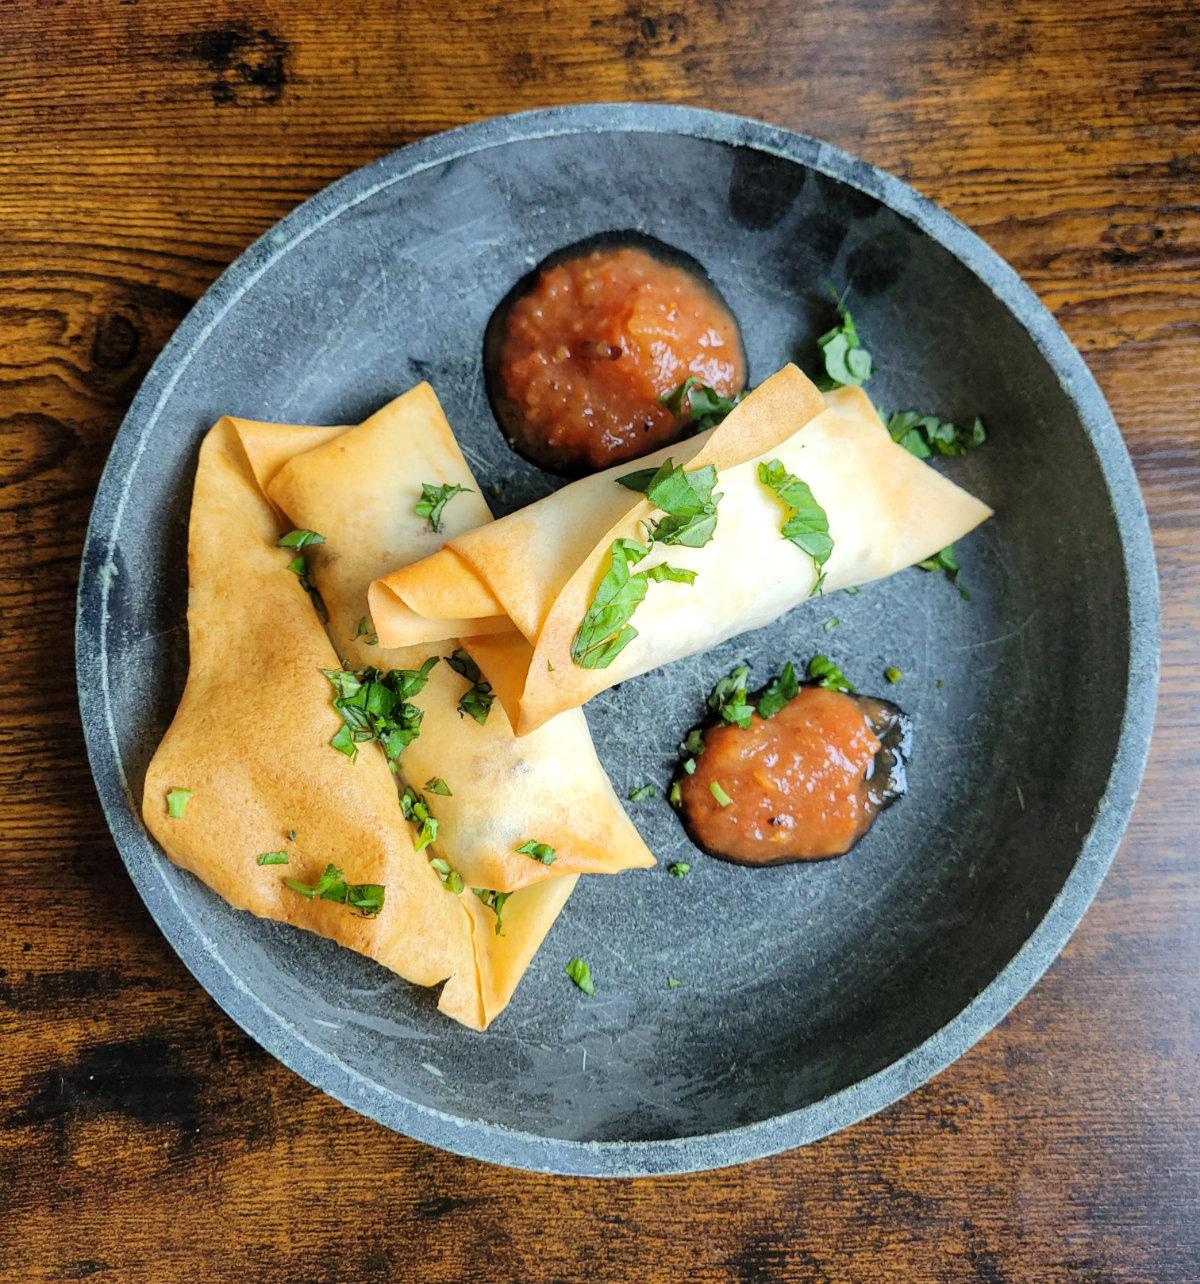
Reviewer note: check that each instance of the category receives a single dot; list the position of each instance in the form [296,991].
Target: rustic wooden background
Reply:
[142,147]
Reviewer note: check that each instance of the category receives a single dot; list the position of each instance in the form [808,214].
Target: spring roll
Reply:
[544,565]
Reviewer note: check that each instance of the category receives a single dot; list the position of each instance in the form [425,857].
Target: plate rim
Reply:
[495,1143]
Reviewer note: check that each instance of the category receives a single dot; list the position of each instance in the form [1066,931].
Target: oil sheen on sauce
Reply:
[805,784]
[580,354]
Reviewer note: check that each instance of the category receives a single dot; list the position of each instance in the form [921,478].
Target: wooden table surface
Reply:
[142,147]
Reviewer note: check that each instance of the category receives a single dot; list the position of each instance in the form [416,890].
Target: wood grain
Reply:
[142,146]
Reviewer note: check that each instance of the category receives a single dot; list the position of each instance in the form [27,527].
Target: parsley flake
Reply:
[434,499]
[177,801]
[581,974]
[539,851]
[805,522]
[679,869]
[672,983]
[893,675]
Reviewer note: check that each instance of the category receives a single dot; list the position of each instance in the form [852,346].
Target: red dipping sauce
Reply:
[585,354]
[803,785]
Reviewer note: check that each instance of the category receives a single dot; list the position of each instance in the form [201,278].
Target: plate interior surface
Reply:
[809,994]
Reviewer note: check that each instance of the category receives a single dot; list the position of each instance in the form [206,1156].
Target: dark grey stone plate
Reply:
[809,996]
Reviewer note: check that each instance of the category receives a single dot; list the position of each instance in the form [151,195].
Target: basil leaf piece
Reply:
[494,901]
[847,363]
[300,567]
[778,692]
[417,811]
[805,522]
[434,499]
[686,497]
[374,706]
[923,435]
[605,631]
[581,974]
[367,898]
[892,674]
[672,983]
[727,700]
[436,785]
[539,851]
[272,858]
[642,792]
[675,797]
[300,539]
[679,869]
[177,801]
[946,561]
[827,674]
[477,700]
[700,406]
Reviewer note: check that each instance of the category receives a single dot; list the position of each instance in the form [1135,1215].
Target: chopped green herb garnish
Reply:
[365,631]
[719,794]
[539,851]
[434,500]
[642,792]
[177,801]
[831,624]
[851,590]
[828,675]
[672,983]
[436,785]
[923,435]
[451,878]
[417,811]
[367,898]
[679,869]
[689,765]
[605,631]
[300,567]
[686,498]
[581,974]
[893,675]
[847,362]
[701,406]
[272,858]
[727,700]
[375,706]
[939,684]
[477,700]
[675,797]
[300,539]
[778,692]
[291,835]
[494,901]
[805,522]
[693,742]
[946,561]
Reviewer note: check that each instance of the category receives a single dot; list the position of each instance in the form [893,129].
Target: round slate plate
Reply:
[809,996]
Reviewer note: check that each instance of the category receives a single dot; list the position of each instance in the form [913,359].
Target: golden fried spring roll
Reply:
[886,510]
